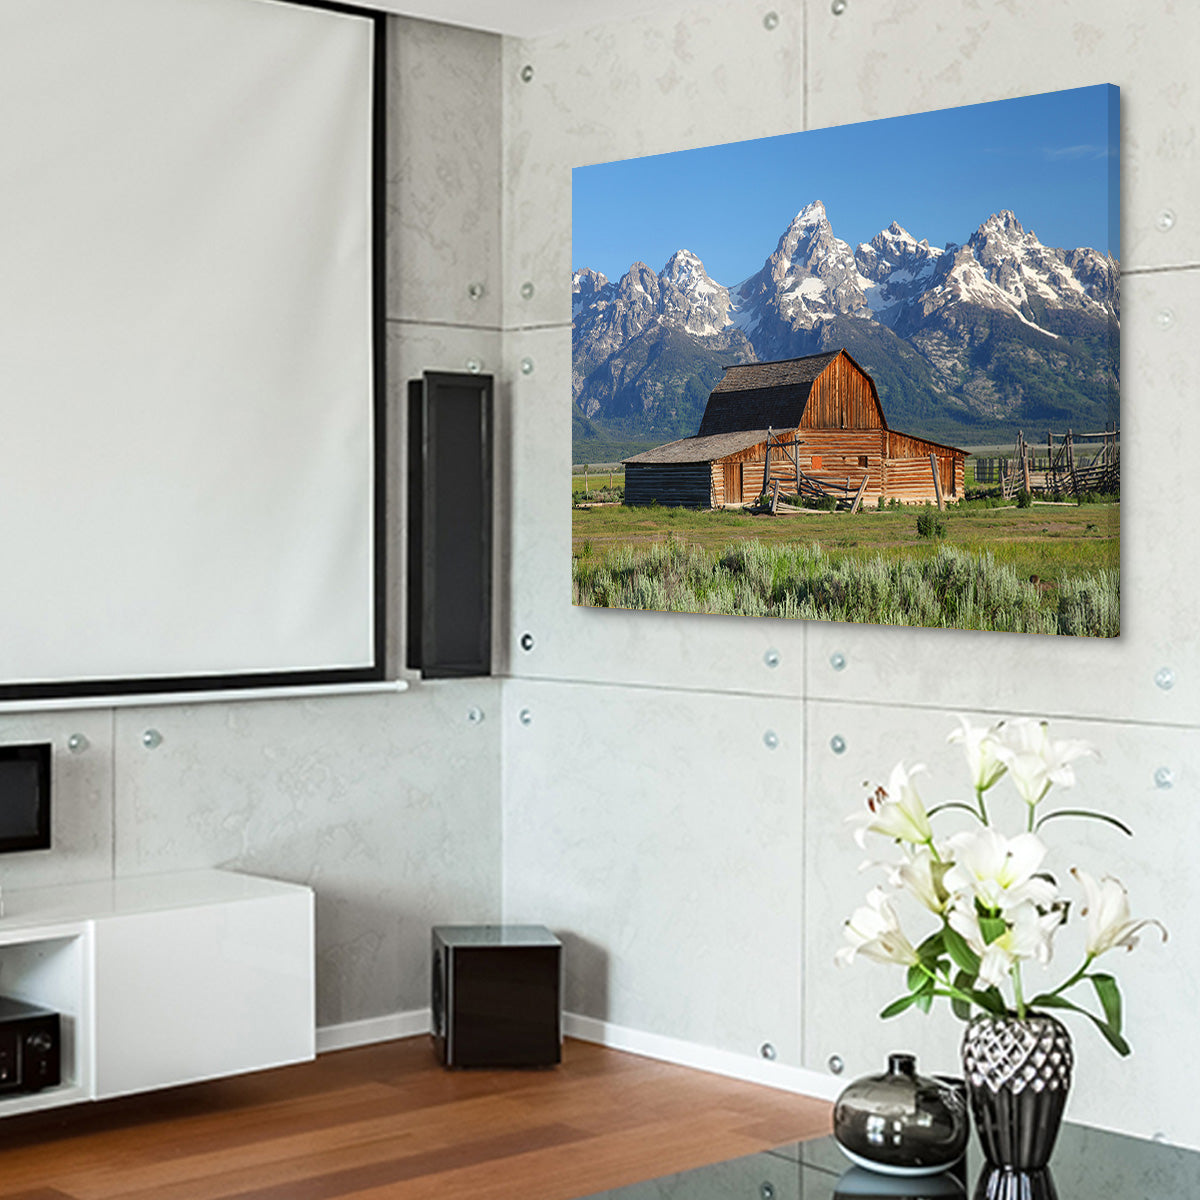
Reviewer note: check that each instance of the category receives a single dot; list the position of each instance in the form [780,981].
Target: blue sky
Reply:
[1052,159]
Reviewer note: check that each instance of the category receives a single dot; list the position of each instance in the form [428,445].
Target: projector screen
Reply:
[191,471]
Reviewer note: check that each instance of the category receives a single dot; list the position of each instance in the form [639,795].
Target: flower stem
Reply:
[1062,987]
[1017,993]
[982,807]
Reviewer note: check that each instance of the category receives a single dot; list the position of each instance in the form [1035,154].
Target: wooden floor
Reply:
[385,1122]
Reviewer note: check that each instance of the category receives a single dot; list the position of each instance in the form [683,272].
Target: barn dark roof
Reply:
[702,449]
[758,395]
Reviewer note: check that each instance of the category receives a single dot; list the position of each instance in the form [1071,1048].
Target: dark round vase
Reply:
[901,1121]
[1018,1073]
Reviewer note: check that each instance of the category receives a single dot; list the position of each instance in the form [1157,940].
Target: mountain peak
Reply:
[1005,221]
[810,214]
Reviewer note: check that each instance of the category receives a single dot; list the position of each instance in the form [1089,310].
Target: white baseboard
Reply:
[799,1080]
[375,1029]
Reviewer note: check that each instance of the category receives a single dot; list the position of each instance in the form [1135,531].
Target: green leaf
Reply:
[925,1000]
[915,978]
[962,954]
[1109,995]
[898,1006]
[991,1000]
[1083,812]
[1111,1034]
[962,1008]
[931,949]
[992,928]
[1114,1039]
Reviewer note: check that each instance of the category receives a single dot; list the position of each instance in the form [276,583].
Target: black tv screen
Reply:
[25,797]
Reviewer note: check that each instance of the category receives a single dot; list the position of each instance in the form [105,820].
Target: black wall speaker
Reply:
[496,996]
[450,525]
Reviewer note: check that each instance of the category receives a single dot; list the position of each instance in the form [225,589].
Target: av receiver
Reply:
[30,1046]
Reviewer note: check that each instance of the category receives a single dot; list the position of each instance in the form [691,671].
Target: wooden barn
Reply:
[815,424]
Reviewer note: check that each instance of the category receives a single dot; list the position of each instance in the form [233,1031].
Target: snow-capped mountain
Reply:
[1000,328]
[640,344]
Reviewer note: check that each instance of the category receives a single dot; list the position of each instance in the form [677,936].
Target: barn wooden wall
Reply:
[842,399]
[685,484]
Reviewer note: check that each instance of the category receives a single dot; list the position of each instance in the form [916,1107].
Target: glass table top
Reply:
[1088,1164]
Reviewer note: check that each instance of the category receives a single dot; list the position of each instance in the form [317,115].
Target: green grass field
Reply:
[1047,568]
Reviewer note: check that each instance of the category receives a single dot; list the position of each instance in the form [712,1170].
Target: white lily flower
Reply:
[1028,934]
[922,875]
[979,743]
[1108,921]
[1000,872]
[874,930]
[895,811]
[1035,762]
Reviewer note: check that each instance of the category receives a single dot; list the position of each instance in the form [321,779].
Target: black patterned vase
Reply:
[1018,1073]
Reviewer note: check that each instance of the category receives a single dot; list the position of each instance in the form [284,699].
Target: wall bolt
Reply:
[474,366]
[836,1065]
[772,658]
[1164,779]
[527,290]
[770,20]
[527,366]
[767,1050]
[152,739]
[837,660]
[475,715]
[837,744]
[527,642]
[475,291]
[77,743]
[1164,319]
[1165,678]
[525,717]
[770,739]
[838,7]
[526,73]
[1165,221]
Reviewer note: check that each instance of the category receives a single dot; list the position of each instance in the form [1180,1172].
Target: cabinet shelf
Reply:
[162,980]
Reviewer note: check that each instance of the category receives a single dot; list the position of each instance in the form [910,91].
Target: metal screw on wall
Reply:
[526,73]
[475,715]
[772,658]
[1164,779]
[77,743]
[837,744]
[1164,678]
[475,291]
[527,642]
[527,290]
[836,1065]
[771,739]
[152,739]
[527,366]
[770,20]
[1165,221]
[837,660]
[838,7]
[767,1050]
[525,717]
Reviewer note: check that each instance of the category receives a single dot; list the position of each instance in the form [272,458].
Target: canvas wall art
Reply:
[867,373]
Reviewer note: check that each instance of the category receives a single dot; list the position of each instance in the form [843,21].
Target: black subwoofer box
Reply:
[496,996]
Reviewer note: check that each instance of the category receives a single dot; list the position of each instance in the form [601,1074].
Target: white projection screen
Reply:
[191,471]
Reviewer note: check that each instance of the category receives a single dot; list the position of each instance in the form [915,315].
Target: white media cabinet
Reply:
[162,979]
